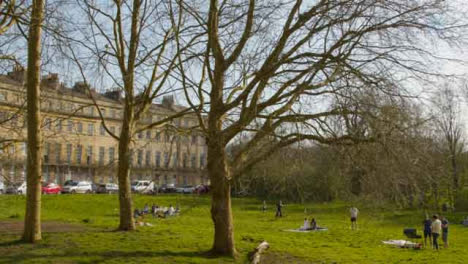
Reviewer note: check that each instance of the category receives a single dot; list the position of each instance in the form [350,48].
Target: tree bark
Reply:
[127,222]
[221,212]
[32,220]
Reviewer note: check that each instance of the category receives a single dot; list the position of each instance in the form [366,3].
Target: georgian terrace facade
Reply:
[76,145]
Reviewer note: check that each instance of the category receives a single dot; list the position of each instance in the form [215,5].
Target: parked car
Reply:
[12,188]
[107,188]
[201,189]
[167,188]
[143,186]
[51,188]
[2,188]
[94,187]
[22,188]
[188,189]
[78,187]
[69,182]
[179,189]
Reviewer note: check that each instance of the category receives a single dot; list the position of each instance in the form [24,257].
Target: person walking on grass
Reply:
[445,224]
[264,206]
[436,230]
[279,206]
[427,231]
[353,211]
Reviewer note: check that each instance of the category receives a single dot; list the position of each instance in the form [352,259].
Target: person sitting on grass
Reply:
[427,231]
[306,225]
[145,209]
[137,215]
[313,224]
[465,221]
[170,211]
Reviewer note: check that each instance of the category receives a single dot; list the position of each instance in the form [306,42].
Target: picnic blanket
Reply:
[402,243]
[300,230]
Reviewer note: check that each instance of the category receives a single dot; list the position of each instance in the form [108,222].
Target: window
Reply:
[59,125]
[185,160]
[90,129]
[167,137]
[89,155]
[112,129]
[46,152]
[186,123]
[140,157]
[112,113]
[24,147]
[140,135]
[148,158]
[166,159]
[158,159]
[3,96]
[91,111]
[79,127]
[79,150]
[102,131]
[202,160]
[131,157]
[111,154]
[148,134]
[158,136]
[194,139]
[103,112]
[101,155]
[193,161]
[48,123]
[58,150]
[70,126]
[176,162]
[69,152]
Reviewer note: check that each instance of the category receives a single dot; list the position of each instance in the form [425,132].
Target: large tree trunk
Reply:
[32,220]
[221,212]
[125,196]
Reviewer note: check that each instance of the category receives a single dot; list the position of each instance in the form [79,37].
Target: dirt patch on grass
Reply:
[16,227]
[271,257]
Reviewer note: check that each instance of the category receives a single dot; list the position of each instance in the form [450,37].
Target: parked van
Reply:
[22,188]
[143,186]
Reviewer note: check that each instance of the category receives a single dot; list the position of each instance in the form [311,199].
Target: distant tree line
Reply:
[415,160]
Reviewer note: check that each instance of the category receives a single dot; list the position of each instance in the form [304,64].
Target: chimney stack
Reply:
[168,101]
[18,73]
[51,80]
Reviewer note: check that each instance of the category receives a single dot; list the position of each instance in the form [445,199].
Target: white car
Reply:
[2,188]
[188,189]
[22,188]
[143,186]
[78,187]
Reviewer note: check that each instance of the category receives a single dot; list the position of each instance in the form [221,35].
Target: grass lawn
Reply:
[81,230]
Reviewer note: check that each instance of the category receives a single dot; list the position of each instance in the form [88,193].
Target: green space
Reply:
[88,222]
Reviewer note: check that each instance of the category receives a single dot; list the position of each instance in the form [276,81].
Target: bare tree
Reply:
[271,69]
[133,46]
[32,219]
[451,128]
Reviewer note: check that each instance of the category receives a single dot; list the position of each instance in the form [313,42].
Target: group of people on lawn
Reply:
[433,229]
[156,211]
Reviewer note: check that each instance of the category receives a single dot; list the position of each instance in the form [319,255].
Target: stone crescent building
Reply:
[76,145]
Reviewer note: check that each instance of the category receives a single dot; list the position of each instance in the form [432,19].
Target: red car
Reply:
[51,188]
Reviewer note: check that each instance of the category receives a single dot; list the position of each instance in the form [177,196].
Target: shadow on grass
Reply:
[94,257]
